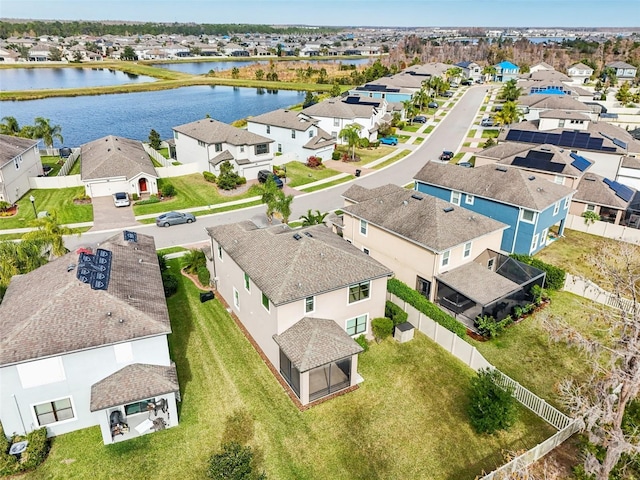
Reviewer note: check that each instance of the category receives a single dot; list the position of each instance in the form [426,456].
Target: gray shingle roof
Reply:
[285,119]
[339,108]
[286,269]
[133,383]
[478,283]
[212,131]
[620,65]
[11,147]
[581,66]
[512,186]
[553,102]
[564,114]
[221,157]
[51,303]
[592,189]
[358,194]
[322,139]
[114,157]
[313,342]
[433,223]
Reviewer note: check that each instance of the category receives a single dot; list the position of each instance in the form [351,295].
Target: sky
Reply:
[400,13]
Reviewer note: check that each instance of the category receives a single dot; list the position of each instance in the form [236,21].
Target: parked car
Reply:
[453,85]
[174,218]
[446,155]
[447,94]
[465,164]
[487,122]
[388,141]
[479,81]
[419,119]
[497,108]
[466,83]
[121,199]
[433,105]
[264,174]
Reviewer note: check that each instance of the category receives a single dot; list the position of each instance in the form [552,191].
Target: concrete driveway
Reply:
[106,216]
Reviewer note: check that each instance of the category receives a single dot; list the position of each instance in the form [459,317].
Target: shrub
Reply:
[82,197]
[4,205]
[363,143]
[382,328]
[234,462]
[168,190]
[204,276]
[33,456]
[194,260]
[413,298]
[242,180]
[590,217]
[555,275]
[335,155]
[395,313]
[135,196]
[314,162]
[491,407]
[375,144]
[363,342]
[539,295]
[170,283]
[490,327]
[209,177]
[228,178]
[151,199]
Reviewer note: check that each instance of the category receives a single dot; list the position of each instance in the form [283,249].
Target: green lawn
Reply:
[321,186]
[412,128]
[457,157]
[393,159]
[299,174]
[418,140]
[407,420]
[367,155]
[59,200]
[192,191]
[429,129]
[54,162]
[471,134]
[75,170]
[490,133]
[402,138]
[164,152]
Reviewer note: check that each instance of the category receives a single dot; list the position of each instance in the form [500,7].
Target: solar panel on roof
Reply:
[622,191]
[538,155]
[538,164]
[130,236]
[513,135]
[526,136]
[594,143]
[538,137]
[620,143]
[95,269]
[581,142]
[579,162]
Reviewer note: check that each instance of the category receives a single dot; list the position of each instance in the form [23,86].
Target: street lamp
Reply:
[33,204]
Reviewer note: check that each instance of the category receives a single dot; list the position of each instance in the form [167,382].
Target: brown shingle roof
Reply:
[592,189]
[430,222]
[564,114]
[478,283]
[286,269]
[133,383]
[285,119]
[358,194]
[553,102]
[508,185]
[50,312]
[115,157]
[212,131]
[11,147]
[313,342]
[362,107]
[221,157]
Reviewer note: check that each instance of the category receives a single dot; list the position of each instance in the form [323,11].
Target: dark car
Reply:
[446,155]
[433,105]
[389,141]
[447,94]
[466,83]
[263,175]
[419,119]
[174,218]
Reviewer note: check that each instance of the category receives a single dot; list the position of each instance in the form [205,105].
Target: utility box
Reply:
[404,332]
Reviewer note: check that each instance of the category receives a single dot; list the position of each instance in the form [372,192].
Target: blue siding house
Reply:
[530,205]
[506,71]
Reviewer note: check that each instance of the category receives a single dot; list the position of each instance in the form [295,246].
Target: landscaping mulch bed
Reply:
[9,212]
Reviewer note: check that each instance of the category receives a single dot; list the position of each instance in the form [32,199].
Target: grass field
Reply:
[367,155]
[299,174]
[53,162]
[328,184]
[407,420]
[490,133]
[393,159]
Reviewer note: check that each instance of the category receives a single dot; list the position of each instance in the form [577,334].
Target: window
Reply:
[268,128]
[262,148]
[359,291]
[309,304]
[455,198]
[41,372]
[293,134]
[469,199]
[543,237]
[242,149]
[55,411]
[559,179]
[265,302]
[247,284]
[138,407]
[560,123]
[363,227]
[556,208]
[219,251]
[310,133]
[279,148]
[467,250]
[357,325]
[365,250]
[490,263]
[20,158]
[528,216]
[534,242]
[175,135]
[445,258]
[566,204]
[590,208]
[201,143]
[218,147]
[336,122]
[423,287]
[236,298]
[334,135]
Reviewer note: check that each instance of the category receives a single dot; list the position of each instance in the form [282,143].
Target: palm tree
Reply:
[282,205]
[18,258]
[9,126]
[489,72]
[269,195]
[409,110]
[313,218]
[47,132]
[421,98]
[453,73]
[351,135]
[439,85]
[510,91]
[49,234]
[508,115]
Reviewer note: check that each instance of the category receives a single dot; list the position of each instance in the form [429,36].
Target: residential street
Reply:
[448,135]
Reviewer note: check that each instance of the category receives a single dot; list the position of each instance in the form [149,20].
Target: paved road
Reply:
[448,135]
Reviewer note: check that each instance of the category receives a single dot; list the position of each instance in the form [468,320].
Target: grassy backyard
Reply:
[490,133]
[406,421]
[299,174]
[367,155]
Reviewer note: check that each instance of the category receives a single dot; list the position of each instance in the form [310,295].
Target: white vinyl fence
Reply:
[69,162]
[157,156]
[603,229]
[177,170]
[55,182]
[468,354]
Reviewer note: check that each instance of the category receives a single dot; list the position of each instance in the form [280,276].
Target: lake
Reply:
[38,78]
[133,115]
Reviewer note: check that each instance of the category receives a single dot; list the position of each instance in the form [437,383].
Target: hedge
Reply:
[555,275]
[382,328]
[413,298]
[395,313]
[33,456]
[204,277]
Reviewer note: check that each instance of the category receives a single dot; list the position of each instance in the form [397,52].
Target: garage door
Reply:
[104,189]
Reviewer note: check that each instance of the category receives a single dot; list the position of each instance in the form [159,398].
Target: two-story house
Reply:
[506,71]
[296,135]
[470,70]
[19,160]
[529,204]
[625,72]
[84,343]
[580,73]
[302,295]
[535,104]
[209,142]
[608,198]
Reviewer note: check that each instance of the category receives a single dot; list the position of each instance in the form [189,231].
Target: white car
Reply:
[121,199]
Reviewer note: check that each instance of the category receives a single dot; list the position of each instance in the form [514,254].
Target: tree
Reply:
[228,178]
[453,73]
[508,115]
[351,135]
[282,205]
[18,258]
[235,73]
[491,407]
[335,90]
[49,234]
[409,109]
[510,91]
[234,462]
[605,399]
[421,98]
[269,193]
[55,54]
[47,132]
[313,218]
[309,99]
[624,94]
[259,74]
[154,140]
[489,72]
[128,53]
[9,126]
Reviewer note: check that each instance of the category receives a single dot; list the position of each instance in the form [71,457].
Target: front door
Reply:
[142,183]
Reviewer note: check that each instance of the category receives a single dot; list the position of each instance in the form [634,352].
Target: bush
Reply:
[204,276]
[234,462]
[413,298]
[209,177]
[491,407]
[490,327]
[82,197]
[168,190]
[314,162]
[555,275]
[151,199]
[193,260]
[363,143]
[228,178]
[395,313]
[363,342]
[382,328]
[335,155]
[34,455]
[170,283]
[375,144]
[135,196]
[241,180]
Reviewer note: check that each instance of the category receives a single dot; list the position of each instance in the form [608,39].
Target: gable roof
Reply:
[313,342]
[321,140]
[11,147]
[506,65]
[508,185]
[564,115]
[317,261]
[51,303]
[425,220]
[357,194]
[350,108]
[580,66]
[593,189]
[113,156]
[285,119]
[619,64]
[212,131]
[553,102]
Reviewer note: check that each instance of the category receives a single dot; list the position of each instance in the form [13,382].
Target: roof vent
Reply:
[590,179]
[308,234]
[297,236]
[417,197]
[70,267]
[404,202]
[500,168]
[448,209]
[532,177]
[108,314]
[545,149]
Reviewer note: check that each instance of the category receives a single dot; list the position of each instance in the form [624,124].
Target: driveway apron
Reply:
[106,216]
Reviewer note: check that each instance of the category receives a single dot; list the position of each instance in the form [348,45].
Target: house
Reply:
[535,104]
[506,71]
[297,136]
[8,56]
[334,114]
[625,72]
[302,295]
[434,245]
[529,204]
[540,67]
[209,142]
[629,171]
[19,160]
[580,73]
[115,164]
[470,70]
[608,198]
[84,343]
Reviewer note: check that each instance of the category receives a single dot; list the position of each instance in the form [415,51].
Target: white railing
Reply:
[69,162]
[157,156]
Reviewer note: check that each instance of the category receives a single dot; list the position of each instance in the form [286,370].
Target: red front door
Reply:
[143,185]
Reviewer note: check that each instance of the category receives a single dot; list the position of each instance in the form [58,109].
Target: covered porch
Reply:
[136,400]
[317,358]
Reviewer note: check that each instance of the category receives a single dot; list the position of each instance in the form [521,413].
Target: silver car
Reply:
[174,218]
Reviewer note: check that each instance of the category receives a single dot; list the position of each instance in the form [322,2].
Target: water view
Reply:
[38,78]
[133,115]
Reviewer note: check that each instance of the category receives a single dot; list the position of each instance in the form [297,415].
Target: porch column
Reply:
[105,427]
[561,227]
[304,387]
[354,370]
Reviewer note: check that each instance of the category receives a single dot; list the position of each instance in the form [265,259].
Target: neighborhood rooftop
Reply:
[113,156]
[11,147]
[212,131]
